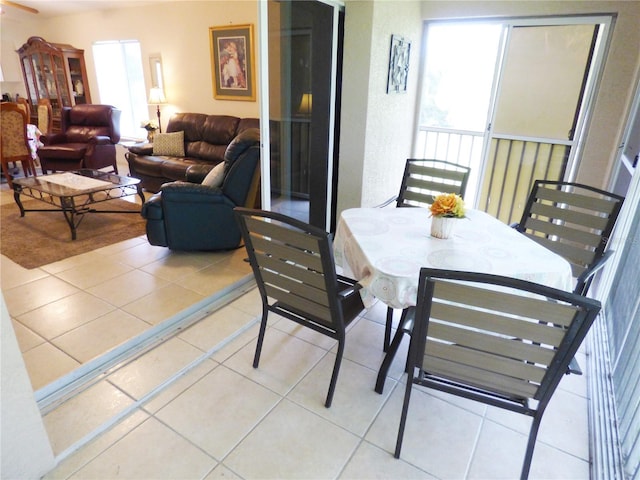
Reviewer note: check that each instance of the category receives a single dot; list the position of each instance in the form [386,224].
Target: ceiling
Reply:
[54,8]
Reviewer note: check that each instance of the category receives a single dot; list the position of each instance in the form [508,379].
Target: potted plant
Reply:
[151,128]
[445,210]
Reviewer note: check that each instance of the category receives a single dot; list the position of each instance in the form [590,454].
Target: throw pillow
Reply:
[171,144]
[215,177]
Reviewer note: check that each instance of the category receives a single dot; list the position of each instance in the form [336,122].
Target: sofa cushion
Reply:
[171,144]
[215,177]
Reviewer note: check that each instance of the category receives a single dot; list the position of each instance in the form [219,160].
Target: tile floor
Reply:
[194,408]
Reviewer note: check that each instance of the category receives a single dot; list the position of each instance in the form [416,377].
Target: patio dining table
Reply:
[385,248]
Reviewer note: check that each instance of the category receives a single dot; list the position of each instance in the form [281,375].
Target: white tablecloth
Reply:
[384,249]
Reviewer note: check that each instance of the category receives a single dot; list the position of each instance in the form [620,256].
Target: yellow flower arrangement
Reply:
[448,205]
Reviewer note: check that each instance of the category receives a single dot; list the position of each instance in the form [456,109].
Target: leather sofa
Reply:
[189,215]
[88,138]
[206,138]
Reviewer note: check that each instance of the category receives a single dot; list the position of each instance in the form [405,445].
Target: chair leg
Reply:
[533,433]
[334,375]
[263,329]
[403,417]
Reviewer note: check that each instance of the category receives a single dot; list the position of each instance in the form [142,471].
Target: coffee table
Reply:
[74,193]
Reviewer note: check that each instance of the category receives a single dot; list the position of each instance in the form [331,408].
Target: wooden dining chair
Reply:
[424,179]
[575,221]
[45,116]
[14,141]
[496,340]
[294,269]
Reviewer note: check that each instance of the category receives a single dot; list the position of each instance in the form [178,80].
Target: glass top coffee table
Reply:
[74,193]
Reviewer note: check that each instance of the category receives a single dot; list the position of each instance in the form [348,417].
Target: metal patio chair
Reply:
[496,340]
[423,179]
[573,220]
[294,269]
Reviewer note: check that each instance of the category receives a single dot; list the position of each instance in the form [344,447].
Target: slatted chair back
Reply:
[573,220]
[423,179]
[496,340]
[294,269]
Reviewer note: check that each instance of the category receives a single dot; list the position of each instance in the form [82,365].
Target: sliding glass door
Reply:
[303,58]
[509,99]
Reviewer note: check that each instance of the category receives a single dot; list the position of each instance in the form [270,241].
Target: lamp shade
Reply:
[306,103]
[156,96]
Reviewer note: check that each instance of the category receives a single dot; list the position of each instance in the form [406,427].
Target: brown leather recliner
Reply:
[88,139]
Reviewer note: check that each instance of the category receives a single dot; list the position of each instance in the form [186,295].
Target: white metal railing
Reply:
[500,184]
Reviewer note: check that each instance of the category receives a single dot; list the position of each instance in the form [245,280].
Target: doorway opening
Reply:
[510,100]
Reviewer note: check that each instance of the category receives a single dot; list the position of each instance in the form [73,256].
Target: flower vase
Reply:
[150,134]
[442,227]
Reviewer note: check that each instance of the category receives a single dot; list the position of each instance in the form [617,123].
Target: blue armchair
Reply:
[187,215]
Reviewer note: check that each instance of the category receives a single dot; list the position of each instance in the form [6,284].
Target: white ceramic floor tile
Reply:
[176,265]
[283,362]
[139,255]
[94,273]
[218,410]
[99,336]
[216,328]
[163,303]
[27,338]
[46,363]
[98,445]
[155,367]
[84,413]
[12,274]
[432,428]
[66,314]
[127,288]
[354,381]
[370,461]
[151,451]
[35,294]
[293,443]
[210,280]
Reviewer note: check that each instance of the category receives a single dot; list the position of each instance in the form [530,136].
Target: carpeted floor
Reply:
[40,238]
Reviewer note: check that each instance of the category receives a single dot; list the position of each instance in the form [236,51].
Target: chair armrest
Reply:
[53,138]
[584,280]
[574,367]
[389,201]
[187,192]
[100,140]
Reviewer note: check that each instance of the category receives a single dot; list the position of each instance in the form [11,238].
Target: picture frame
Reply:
[399,55]
[232,62]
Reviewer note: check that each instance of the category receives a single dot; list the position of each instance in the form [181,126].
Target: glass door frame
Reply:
[263,73]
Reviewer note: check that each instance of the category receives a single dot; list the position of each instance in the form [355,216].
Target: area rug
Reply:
[40,238]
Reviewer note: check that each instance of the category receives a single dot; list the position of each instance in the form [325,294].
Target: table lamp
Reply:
[306,103]
[156,97]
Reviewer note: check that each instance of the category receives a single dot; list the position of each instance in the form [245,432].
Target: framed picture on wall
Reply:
[398,65]
[232,62]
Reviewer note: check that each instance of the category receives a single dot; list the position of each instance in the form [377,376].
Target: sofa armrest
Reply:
[141,148]
[196,173]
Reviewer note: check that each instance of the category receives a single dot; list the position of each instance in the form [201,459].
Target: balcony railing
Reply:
[500,188]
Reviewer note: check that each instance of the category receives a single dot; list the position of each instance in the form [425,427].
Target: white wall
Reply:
[179,31]
[377,129]
[25,448]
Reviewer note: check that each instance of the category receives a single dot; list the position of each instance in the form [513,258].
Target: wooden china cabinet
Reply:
[55,71]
